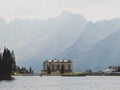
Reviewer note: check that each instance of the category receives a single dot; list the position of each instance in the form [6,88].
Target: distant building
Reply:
[115,68]
[57,67]
[112,69]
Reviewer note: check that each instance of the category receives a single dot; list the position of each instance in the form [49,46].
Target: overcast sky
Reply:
[42,9]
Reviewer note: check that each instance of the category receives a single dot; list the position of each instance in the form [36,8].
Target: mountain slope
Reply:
[103,54]
[93,34]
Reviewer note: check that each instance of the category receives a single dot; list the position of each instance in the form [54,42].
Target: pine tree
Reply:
[7,63]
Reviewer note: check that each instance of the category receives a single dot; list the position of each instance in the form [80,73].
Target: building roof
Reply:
[114,66]
[55,60]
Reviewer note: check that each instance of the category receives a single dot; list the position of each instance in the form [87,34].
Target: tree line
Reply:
[8,65]
[24,70]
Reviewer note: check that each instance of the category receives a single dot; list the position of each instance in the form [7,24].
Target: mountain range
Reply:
[37,40]
[90,45]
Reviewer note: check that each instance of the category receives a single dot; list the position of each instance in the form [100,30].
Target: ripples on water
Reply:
[62,83]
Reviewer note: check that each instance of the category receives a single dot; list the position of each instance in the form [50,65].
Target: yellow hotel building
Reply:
[57,67]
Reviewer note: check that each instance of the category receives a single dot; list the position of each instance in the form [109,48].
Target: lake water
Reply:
[62,83]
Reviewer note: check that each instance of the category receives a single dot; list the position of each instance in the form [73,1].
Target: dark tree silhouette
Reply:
[30,70]
[24,70]
[48,70]
[0,56]
[7,63]
[62,69]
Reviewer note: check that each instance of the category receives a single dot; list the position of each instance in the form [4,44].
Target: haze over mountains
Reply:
[86,51]
[104,54]
[69,36]
[37,40]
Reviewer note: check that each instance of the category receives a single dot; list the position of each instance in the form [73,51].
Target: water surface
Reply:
[62,83]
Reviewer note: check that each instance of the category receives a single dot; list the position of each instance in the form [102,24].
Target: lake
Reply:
[62,83]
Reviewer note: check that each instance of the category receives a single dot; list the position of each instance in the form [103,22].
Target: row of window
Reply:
[58,67]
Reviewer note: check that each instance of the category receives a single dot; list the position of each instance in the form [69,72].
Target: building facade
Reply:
[57,67]
[115,68]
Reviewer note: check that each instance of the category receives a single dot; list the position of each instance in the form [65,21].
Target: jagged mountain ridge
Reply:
[93,34]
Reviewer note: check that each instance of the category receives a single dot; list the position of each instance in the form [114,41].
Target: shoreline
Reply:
[6,78]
